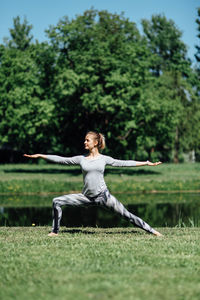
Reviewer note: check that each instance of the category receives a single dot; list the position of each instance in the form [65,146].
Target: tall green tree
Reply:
[103,67]
[170,58]
[99,69]
[196,86]
[164,40]
[26,109]
[189,126]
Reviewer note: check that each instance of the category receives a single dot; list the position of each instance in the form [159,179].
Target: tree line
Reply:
[98,72]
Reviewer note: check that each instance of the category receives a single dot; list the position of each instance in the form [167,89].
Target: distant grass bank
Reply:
[51,178]
[89,263]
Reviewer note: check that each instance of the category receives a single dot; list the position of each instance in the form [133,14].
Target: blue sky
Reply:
[42,13]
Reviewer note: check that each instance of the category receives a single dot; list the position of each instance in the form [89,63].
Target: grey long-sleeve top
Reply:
[92,169]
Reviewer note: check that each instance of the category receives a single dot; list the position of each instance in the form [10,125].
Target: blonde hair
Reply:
[100,139]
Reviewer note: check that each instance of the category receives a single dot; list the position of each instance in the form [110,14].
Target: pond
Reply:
[158,213]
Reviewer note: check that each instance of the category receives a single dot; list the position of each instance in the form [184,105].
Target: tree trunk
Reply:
[176,147]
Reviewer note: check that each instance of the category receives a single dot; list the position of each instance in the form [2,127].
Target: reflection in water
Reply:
[157,215]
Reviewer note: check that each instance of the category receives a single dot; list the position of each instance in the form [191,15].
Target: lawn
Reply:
[52,178]
[99,263]
[96,263]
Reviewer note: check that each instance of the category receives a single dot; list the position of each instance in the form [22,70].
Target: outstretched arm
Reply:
[75,160]
[128,163]
[147,163]
[35,156]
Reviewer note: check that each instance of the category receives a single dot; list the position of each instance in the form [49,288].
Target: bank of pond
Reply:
[159,210]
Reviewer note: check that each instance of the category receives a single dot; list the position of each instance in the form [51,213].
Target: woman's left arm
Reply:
[128,163]
[147,163]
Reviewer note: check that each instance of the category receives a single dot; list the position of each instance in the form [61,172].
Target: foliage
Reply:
[20,35]
[25,108]
[170,59]
[195,110]
[25,113]
[99,73]
[164,40]
[197,56]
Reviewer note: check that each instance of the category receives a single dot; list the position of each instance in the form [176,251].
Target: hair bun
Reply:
[100,138]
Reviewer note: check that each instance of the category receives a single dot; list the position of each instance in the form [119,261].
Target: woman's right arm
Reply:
[75,160]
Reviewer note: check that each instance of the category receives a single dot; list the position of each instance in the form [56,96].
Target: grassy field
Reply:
[99,263]
[88,263]
[51,178]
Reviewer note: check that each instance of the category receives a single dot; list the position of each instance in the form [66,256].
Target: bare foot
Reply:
[157,233]
[53,234]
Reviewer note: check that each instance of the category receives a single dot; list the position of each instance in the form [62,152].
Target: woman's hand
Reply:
[35,156]
[153,164]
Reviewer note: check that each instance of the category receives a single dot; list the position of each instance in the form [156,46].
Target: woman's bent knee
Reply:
[55,201]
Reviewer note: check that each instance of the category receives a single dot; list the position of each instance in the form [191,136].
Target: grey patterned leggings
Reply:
[104,199]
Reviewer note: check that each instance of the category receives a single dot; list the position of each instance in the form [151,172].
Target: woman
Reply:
[95,191]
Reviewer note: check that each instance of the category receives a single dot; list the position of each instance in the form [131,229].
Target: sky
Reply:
[43,13]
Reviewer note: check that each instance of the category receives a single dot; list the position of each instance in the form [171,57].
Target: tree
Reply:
[98,73]
[170,57]
[164,40]
[20,35]
[195,112]
[26,108]
[197,55]
[102,67]
[24,111]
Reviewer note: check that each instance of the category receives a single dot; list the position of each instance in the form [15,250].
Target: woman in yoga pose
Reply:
[95,191]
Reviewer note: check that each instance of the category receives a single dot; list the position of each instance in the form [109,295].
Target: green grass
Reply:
[36,185]
[93,263]
[97,263]
[51,178]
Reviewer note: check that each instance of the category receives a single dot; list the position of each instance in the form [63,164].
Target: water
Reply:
[185,213]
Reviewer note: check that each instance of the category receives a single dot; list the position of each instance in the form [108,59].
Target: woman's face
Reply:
[90,142]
